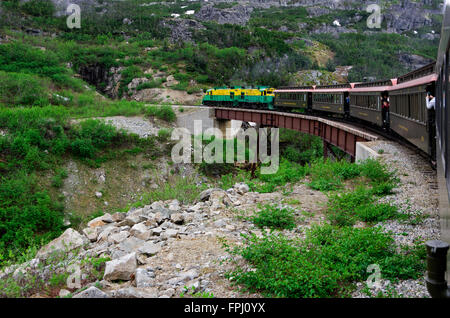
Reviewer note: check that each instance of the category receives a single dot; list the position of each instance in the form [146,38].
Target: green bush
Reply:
[287,172]
[342,206]
[39,8]
[347,207]
[164,112]
[376,212]
[27,215]
[324,264]
[22,89]
[274,217]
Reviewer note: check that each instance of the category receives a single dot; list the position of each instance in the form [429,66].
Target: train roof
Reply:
[419,73]
[417,77]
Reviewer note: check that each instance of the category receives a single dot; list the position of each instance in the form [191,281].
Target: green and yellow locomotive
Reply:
[259,97]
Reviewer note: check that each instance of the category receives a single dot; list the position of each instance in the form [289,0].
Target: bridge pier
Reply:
[228,127]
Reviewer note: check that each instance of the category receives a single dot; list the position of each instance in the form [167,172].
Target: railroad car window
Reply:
[373,102]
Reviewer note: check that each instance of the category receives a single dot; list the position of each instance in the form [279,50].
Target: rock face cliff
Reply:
[398,17]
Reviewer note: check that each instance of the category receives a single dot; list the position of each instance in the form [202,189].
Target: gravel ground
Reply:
[136,125]
[416,195]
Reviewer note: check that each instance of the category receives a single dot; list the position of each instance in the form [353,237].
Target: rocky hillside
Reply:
[194,45]
[168,249]
[62,167]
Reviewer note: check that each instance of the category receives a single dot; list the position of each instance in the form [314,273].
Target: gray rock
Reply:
[177,218]
[131,244]
[118,216]
[68,241]
[157,231]
[149,248]
[91,292]
[181,29]
[64,293]
[171,233]
[174,206]
[141,231]
[413,61]
[91,233]
[241,188]
[220,223]
[239,14]
[118,237]
[123,268]
[132,292]
[105,232]
[205,195]
[144,278]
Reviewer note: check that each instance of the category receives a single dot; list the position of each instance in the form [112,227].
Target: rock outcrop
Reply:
[239,14]
[413,61]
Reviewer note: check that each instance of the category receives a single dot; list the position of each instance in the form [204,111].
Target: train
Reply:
[241,97]
[404,115]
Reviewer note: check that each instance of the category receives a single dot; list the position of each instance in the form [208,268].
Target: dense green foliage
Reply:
[274,217]
[39,139]
[348,207]
[376,55]
[164,112]
[324,264]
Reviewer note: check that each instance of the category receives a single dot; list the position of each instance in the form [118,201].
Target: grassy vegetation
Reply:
[182,189]
[334,255]
[377,54]
[324,264]
[164,112]
[41,139]
[274,217]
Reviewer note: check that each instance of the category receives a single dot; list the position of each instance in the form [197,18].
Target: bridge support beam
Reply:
[325,149]
[337,134]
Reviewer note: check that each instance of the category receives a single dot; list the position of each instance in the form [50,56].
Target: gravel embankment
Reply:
[416,195]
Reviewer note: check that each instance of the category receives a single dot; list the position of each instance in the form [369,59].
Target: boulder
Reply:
[117,238]
[105,232]
[68,241]
[149,248]
[141,231]
[132,292]
[101,220]
[118,216]
[91,233]
[91,292]
[123,268]
[144,278]
[205,195]
[241,188]
[177,218]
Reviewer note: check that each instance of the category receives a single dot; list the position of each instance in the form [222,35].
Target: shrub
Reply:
[323,265]
[382,180]
[39,8]
[164,134]
[342,206]
[376,212]
[287,172]
[27,215]
[345,208]
[273,217]
[59,177]
[164,112]
[22,89]
[83,148]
